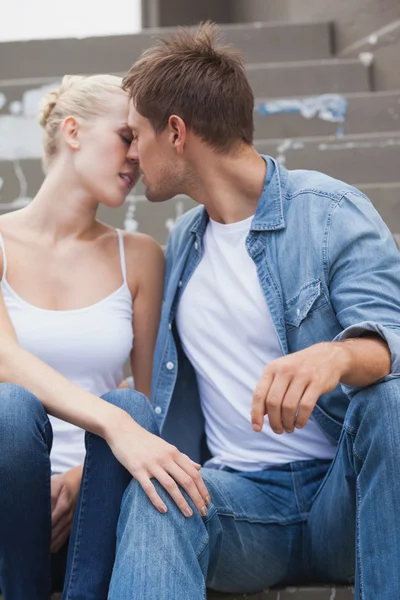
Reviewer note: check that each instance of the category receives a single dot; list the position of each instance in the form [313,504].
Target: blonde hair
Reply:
[78,96]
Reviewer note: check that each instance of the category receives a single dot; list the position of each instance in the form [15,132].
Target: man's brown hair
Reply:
[190,74]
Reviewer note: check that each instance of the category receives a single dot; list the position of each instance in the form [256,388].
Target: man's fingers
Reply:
[258,409]
[306,406]
[151,493]
[291,403]
[274,401]
[171,486]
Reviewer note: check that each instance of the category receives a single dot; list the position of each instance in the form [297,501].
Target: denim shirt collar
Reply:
[269,212]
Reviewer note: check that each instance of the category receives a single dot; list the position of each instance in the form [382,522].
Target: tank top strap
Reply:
[2,247]
[122,253]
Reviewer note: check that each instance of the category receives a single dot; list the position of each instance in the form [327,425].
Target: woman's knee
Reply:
[19,407]
[24,423]
[136,405]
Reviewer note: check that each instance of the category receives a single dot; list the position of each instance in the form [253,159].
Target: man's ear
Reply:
[69,131]
[177,132]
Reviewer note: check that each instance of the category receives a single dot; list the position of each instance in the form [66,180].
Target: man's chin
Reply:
[156,198]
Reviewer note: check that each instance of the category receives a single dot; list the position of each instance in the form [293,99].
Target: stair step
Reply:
[361,159]
[315,115]
[303,78]
[301,593]
[259,42]
[292,593]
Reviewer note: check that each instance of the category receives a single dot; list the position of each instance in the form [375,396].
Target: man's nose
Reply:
[132,154]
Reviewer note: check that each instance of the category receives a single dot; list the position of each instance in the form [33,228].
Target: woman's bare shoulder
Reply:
[143,246]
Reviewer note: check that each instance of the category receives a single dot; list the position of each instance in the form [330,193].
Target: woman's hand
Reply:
[146,456]
[64,496]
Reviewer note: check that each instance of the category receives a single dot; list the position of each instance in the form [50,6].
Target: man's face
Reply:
[163,175]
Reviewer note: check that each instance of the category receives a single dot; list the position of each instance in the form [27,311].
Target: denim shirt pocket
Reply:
[309,298]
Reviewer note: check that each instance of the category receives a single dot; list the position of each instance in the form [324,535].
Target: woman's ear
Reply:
[69,131]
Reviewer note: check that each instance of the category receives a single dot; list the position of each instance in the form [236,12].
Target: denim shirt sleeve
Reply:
[363,274]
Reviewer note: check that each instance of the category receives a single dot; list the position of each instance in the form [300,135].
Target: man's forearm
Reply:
[364,360]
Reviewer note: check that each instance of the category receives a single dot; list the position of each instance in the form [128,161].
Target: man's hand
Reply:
[64,496]
[290,386]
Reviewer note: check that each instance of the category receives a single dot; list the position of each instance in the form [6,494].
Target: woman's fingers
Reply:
[151,492]
[171,486]
[193,486]
[191,470]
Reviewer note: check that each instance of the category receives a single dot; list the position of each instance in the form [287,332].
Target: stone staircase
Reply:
[313,111]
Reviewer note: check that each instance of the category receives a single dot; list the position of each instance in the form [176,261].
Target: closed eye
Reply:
[126,140]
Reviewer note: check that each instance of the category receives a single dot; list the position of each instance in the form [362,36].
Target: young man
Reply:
[278,357]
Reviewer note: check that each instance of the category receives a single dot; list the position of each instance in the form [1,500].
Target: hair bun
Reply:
[47,105]
[49,101]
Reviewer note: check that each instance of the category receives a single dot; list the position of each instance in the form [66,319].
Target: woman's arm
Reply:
[145,272]
[143,454]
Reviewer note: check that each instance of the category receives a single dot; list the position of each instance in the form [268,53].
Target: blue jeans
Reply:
[25,507]
[311,521]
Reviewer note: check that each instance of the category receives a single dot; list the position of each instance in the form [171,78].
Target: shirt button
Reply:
[180,283]
[170,365]
[196,245]
[298,312]
[158,410]
[169,326]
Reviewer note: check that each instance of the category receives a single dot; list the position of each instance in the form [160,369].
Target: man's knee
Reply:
[136,405]
[382,399]
[374,414]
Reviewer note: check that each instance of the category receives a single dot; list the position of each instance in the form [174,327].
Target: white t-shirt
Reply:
[229,337]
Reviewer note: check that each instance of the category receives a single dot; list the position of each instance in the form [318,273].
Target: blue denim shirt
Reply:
[329,270]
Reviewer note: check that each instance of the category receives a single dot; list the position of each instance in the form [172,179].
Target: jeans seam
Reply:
[72,577]
[298,495]
[359,562]
[205,544]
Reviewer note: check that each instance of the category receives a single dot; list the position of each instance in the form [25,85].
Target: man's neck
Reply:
[229,186]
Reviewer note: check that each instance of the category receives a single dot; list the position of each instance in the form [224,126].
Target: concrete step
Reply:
[330,114]
[302,78]
[259,42]
[358,159]
[268,80]
[386,199]
[301,593]
[292,593]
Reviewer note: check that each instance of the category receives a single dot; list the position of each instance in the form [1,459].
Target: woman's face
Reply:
[101,162]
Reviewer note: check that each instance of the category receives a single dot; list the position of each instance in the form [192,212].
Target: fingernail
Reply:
[188,512]
[257,427]
[163,509]
[204,512]
[208,500]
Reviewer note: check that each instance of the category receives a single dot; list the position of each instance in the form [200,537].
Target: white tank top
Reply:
[89,346]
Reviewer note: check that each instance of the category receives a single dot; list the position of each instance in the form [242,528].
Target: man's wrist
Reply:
[342,358]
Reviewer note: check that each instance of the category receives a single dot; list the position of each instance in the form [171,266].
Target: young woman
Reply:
[77,299]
